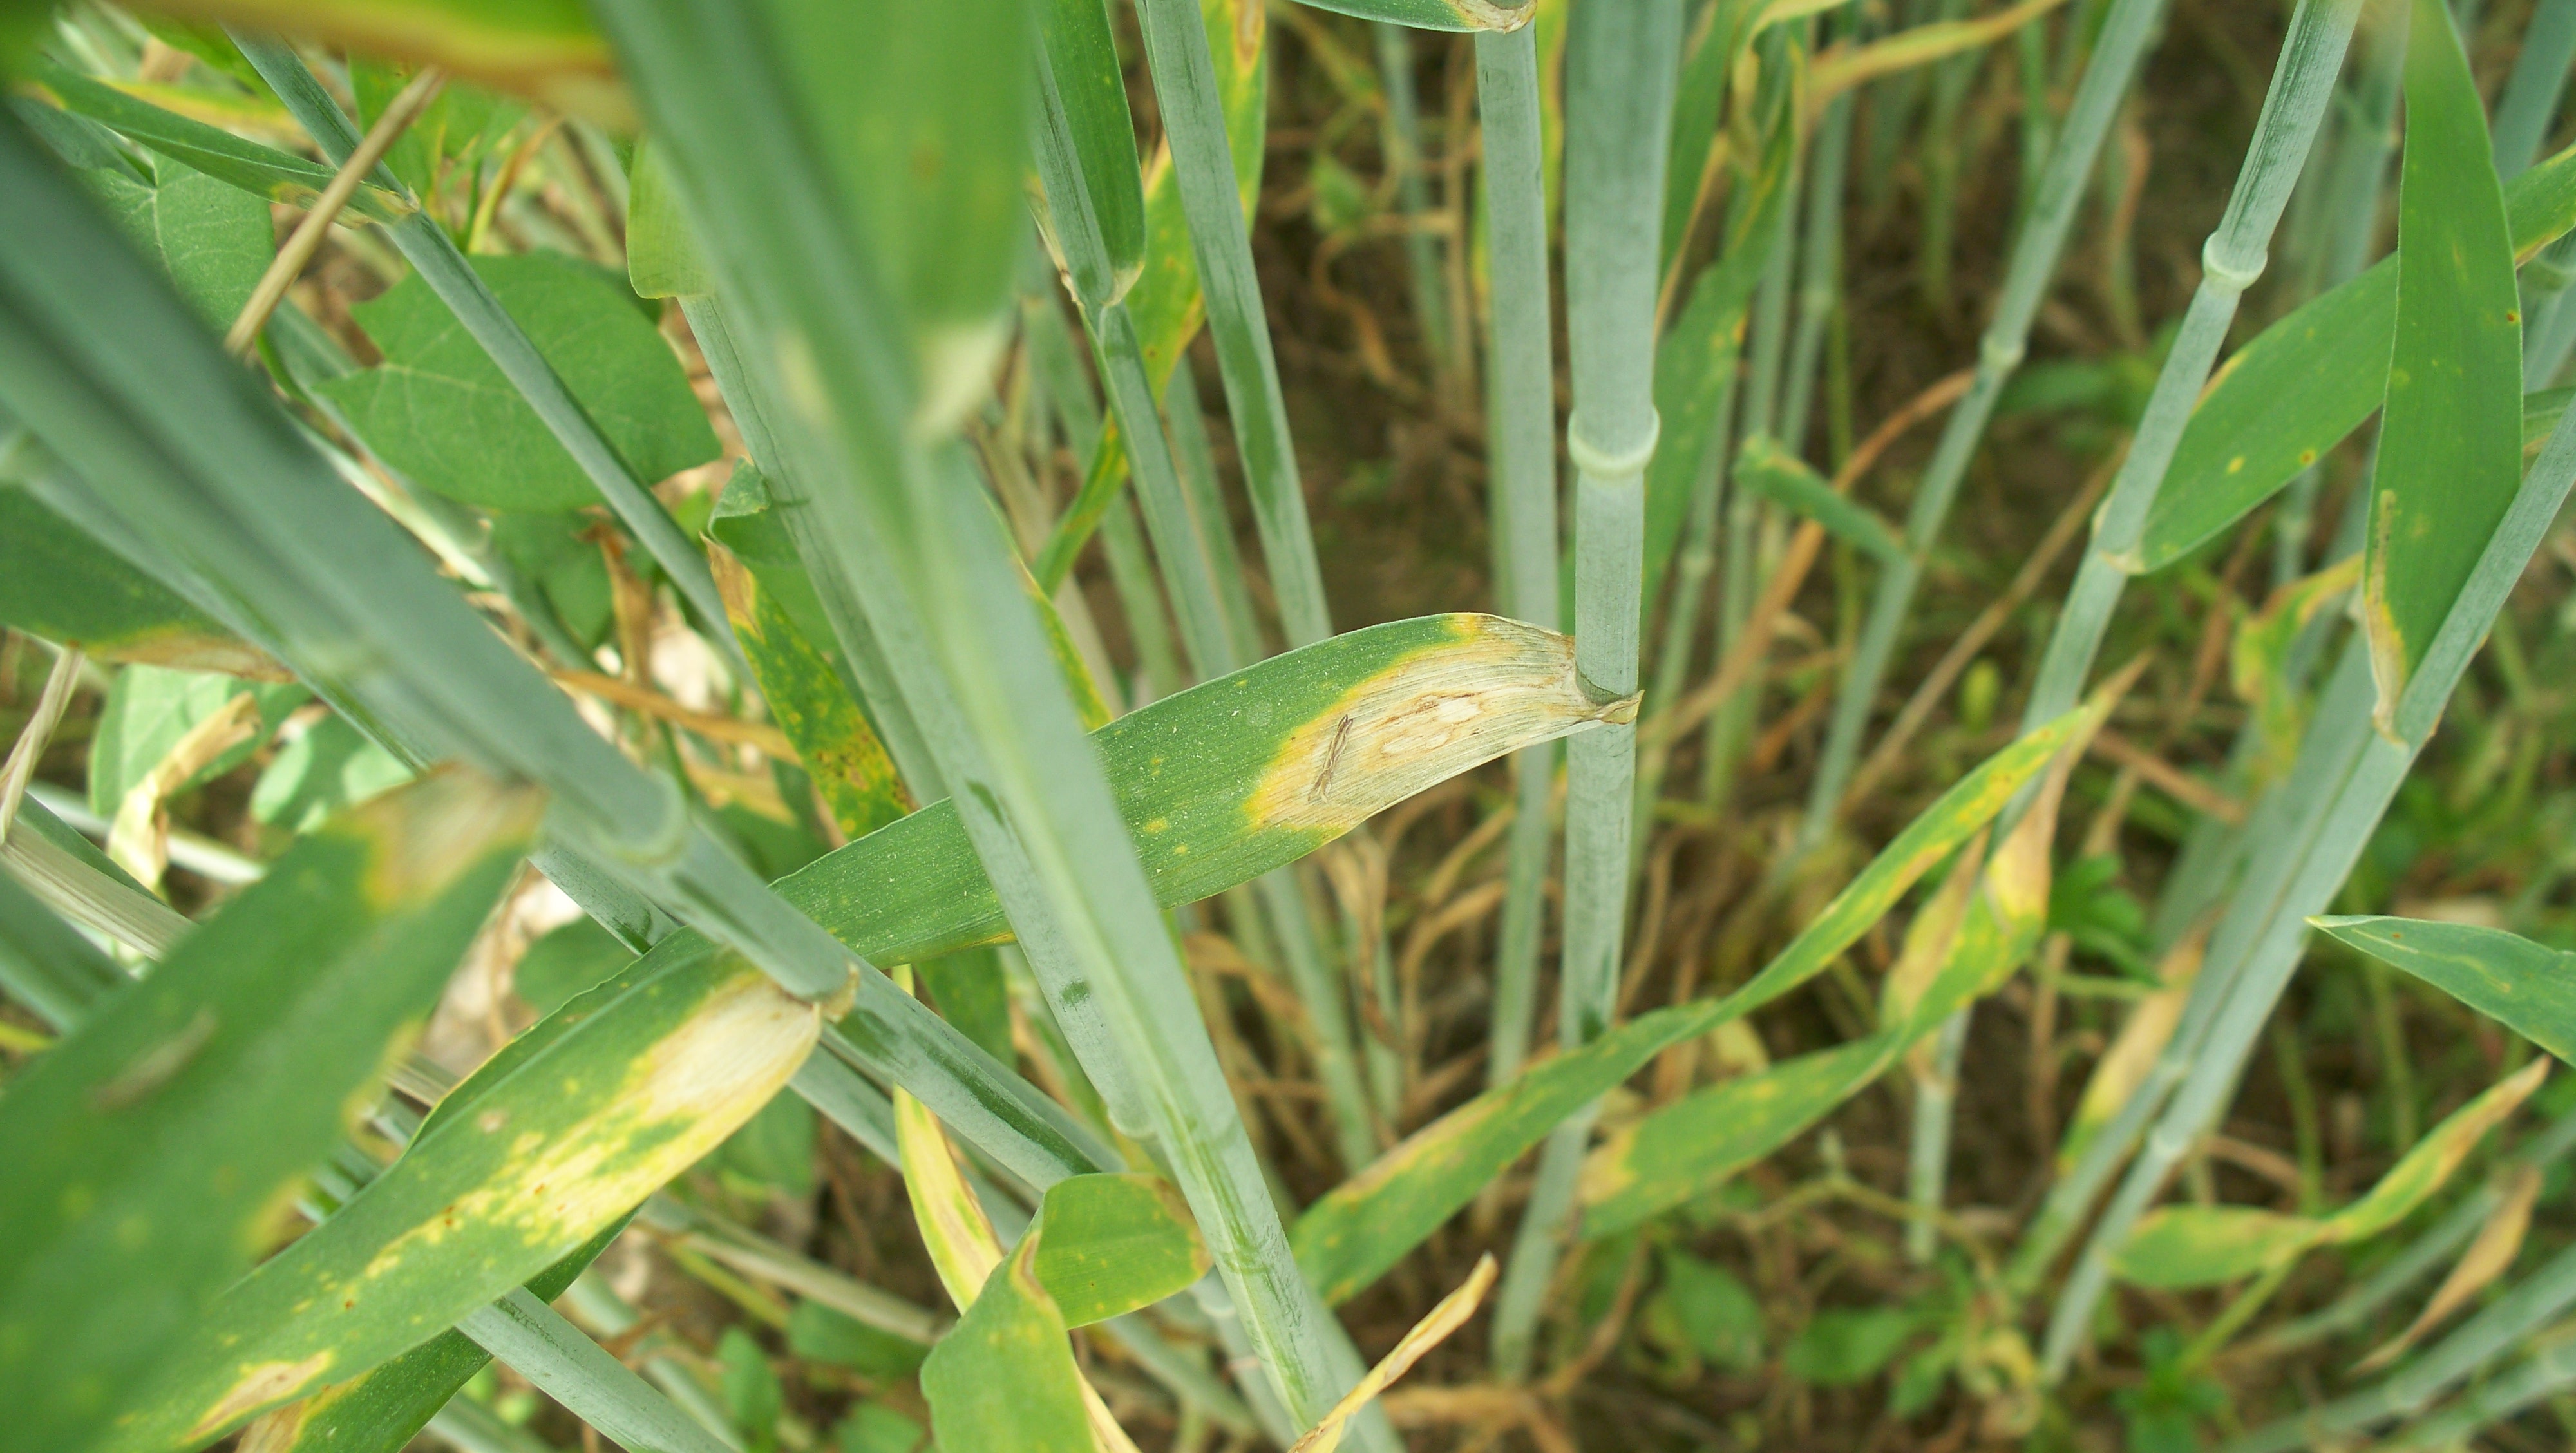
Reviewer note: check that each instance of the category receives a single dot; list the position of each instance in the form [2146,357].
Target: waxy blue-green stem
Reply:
[1620,63]
[1520,421]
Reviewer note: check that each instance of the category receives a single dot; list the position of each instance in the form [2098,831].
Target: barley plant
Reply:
[724,735]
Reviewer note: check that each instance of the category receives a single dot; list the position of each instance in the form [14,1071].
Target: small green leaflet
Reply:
[440,412]
[214,1087]
[2450,444]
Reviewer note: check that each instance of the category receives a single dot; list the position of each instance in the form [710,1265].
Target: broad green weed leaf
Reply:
[439,410]
[1845,1346]
[1347,1239]
[2195,1246]
[1715,1310]
[2309,380]
[569,961]
[559,555]
[1005,1377]
[662,260]
[329,766]
[751,1392]
[968,988]
[1115,1243]
[151,1152]
[2521,985]
[149,708]
[562,1133]
[260,170]
[62,584]
[211,240]
[2450,444]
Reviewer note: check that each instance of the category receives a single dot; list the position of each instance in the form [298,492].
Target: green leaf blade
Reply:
[2450,450]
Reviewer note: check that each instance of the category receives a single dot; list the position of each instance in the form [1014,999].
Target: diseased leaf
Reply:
[210,240]
[2430,1162]
[562,1133]
[2450,444]
[2194,1246]
[1355,1232]
[1685,1147]
[150,1152]
[439,410]
[2521,985]
[1005,1377]
[2188,1246]
[383,1408]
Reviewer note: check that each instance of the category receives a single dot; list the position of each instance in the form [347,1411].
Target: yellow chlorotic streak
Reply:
[1430,1332]
[1425,719]
[427,836]
[564,1181]
[953,1226]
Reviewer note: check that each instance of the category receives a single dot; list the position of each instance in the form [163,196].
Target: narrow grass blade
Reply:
[227,1073]
[382,1409]
[2450,445]
[1088,137]
[1166,302]
[563,1133]
[1438,14]
[2522,985]
[1350,1237]
[590,1382]
[1767,470]
[1196,123]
